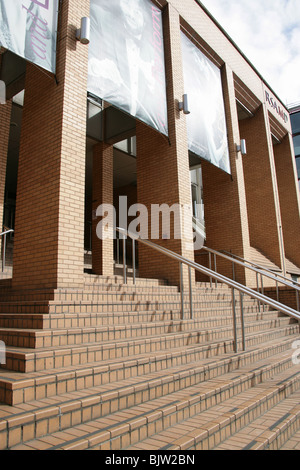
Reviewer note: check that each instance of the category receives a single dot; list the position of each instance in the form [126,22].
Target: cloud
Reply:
[268,33]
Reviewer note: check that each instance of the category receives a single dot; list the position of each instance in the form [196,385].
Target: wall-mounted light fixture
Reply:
[183,105]
[83,34]
[242,147]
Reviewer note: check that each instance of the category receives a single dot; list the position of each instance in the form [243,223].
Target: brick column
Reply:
[225,206]
[163,166]
[102,242]
[261,187]
[49,236]
[289,197]
[5,113]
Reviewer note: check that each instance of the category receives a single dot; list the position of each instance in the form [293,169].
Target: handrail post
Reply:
[215,261]
[133,260]
[234,321]
[181,291]
[118,248]
[277,291]
[124,260]
[242,320]
[191,293]
[257,287]
[4,252]
[209,259]
[262,289]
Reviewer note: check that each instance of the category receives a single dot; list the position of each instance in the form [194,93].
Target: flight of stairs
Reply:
[115,367]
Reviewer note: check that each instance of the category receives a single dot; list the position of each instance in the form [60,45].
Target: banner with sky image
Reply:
[126,59]
[206,123]
[29,29]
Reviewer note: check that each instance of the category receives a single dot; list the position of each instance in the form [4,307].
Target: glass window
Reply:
[298,166]
[295,120]
[296,141]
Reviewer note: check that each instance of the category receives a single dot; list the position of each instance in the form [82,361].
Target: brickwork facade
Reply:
[257,206]
[48,249]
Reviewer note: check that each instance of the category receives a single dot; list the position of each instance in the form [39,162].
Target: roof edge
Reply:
[240,51]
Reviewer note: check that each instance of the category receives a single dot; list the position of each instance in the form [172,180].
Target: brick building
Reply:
[86,360]
[295,117]
[74,167]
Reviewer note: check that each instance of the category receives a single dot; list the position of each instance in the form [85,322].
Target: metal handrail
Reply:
[234,285]
[4,234]
[258,272]
[262,268]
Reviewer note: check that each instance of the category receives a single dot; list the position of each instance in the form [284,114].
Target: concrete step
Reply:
[252,411]
[86,320]
[36,339]
[110,366]
[238,397]
[119,305]
[15,388]
[293,443]
[29,360]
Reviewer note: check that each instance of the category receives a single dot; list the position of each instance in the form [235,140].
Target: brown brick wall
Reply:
[224,195]
[5,112]
[50,196]
[102,249]
[289,198]
[261,187]
[162,165]
[239,210]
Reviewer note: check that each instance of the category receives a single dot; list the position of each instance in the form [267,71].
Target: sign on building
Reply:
[206,123]
[126,59]
[29,29]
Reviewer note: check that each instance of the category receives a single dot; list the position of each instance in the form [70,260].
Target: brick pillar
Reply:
[289,197]
[225,206]
[163,167]
[261,187]
[49,236]
[102,241]
[5,113]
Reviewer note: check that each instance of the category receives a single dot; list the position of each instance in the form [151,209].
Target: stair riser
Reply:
[70,337]
[279,437]
[55,321]
[133,434]
[31,427]
[93,377]
[115,306]
[76,356]
[209,442]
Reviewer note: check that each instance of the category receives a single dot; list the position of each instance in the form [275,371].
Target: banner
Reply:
[28,28]
[206,124]
[126,59]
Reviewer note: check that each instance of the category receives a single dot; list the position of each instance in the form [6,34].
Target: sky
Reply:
[268,33]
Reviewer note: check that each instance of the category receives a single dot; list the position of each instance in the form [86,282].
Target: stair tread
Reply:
[22,351]
[143,379]
[122,326]
[163,374]
[15,377]
[267,423]
[228,409]
[206,418]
